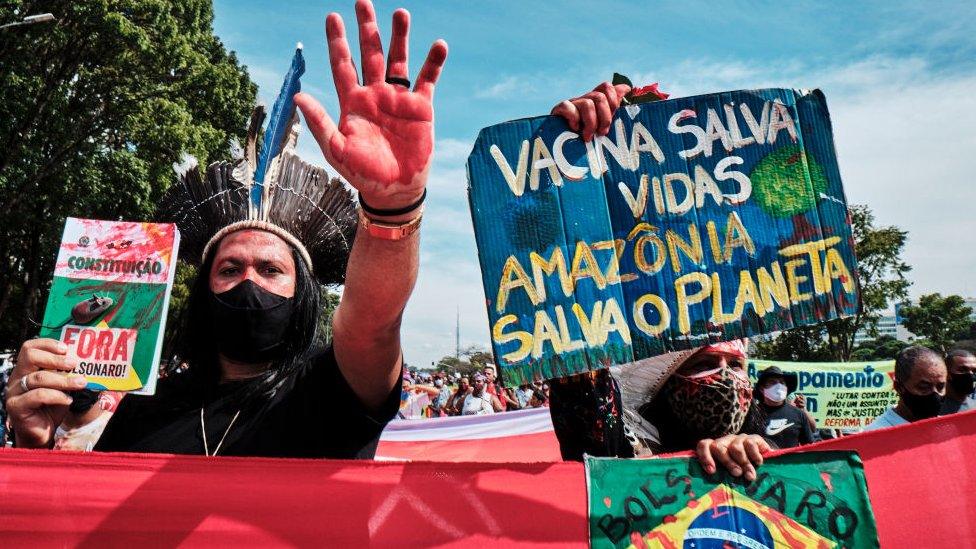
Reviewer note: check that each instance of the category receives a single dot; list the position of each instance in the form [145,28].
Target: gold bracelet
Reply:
[389,231]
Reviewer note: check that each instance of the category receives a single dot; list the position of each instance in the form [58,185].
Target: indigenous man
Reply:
[255,386]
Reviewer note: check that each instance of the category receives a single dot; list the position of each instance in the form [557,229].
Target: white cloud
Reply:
[450,277]
[510,86]
[905,150]
[452,152]
[445,286]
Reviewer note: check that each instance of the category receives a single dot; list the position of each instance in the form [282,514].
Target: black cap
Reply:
[789,377]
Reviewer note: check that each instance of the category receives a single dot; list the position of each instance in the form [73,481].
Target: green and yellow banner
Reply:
[840,395]
[805,500]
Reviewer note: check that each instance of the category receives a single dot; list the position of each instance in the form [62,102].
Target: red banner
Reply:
[919,477]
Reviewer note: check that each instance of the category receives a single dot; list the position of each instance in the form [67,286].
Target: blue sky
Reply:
[899,79]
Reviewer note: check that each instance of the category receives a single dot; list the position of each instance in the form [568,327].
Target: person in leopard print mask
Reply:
[703,403]
[707,405]
[699,399]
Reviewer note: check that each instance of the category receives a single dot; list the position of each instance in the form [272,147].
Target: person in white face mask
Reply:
[786,425]
[443,396]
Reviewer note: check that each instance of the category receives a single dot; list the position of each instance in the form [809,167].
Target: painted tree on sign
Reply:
[938,319]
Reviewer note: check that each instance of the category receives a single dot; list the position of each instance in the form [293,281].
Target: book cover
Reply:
[109,298]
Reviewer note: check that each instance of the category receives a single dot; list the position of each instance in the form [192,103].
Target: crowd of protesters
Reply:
[439,394]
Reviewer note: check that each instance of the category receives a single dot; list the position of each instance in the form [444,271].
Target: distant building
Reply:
[891,325]
[888,325]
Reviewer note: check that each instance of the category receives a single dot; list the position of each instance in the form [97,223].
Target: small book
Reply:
[109,299]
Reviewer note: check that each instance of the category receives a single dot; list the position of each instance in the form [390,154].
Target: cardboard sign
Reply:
[695,220]
[804,500]
[840,395]
[108,300]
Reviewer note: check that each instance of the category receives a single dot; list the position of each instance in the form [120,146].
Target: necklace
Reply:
[203,431]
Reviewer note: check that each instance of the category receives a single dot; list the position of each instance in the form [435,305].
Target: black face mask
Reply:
[962,384]
[250,323]
[922,406]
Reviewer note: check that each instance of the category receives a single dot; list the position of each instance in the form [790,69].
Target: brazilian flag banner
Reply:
[800,500]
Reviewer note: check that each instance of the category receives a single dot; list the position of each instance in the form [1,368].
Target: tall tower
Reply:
[457,334]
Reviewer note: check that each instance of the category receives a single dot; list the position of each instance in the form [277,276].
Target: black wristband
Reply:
[390,213]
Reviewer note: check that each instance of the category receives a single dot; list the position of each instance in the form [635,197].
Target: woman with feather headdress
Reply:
[266,229]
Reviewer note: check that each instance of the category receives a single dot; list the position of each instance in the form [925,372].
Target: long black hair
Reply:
[197,348]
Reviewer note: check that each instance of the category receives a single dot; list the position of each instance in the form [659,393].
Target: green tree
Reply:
[478,356]
[471,359]
[96,108]
[329,301]
[882,280]
[967,334]
[938,319]
[452,364]
[882,348]
[805,344]
[182,284]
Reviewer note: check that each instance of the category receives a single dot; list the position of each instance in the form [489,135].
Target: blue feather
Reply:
[281,113]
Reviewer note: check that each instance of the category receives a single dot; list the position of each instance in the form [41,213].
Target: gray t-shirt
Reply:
[889,418]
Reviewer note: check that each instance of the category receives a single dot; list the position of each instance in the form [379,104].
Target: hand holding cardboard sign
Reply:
[384,140]
[590,114]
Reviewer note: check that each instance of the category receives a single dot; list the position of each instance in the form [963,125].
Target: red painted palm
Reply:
[384,140]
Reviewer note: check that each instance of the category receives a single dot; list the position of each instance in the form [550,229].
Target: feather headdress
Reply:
[275,191]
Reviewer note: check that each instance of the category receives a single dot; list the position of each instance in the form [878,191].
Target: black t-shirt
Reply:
[314,415]
[787,426]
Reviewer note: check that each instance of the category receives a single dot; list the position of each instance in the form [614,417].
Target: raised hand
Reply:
[385,137]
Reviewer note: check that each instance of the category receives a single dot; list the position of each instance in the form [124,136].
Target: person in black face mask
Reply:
[920,381]
[266,233]
[961,390]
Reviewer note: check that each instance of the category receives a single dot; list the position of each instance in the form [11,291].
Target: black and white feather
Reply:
[319,212]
